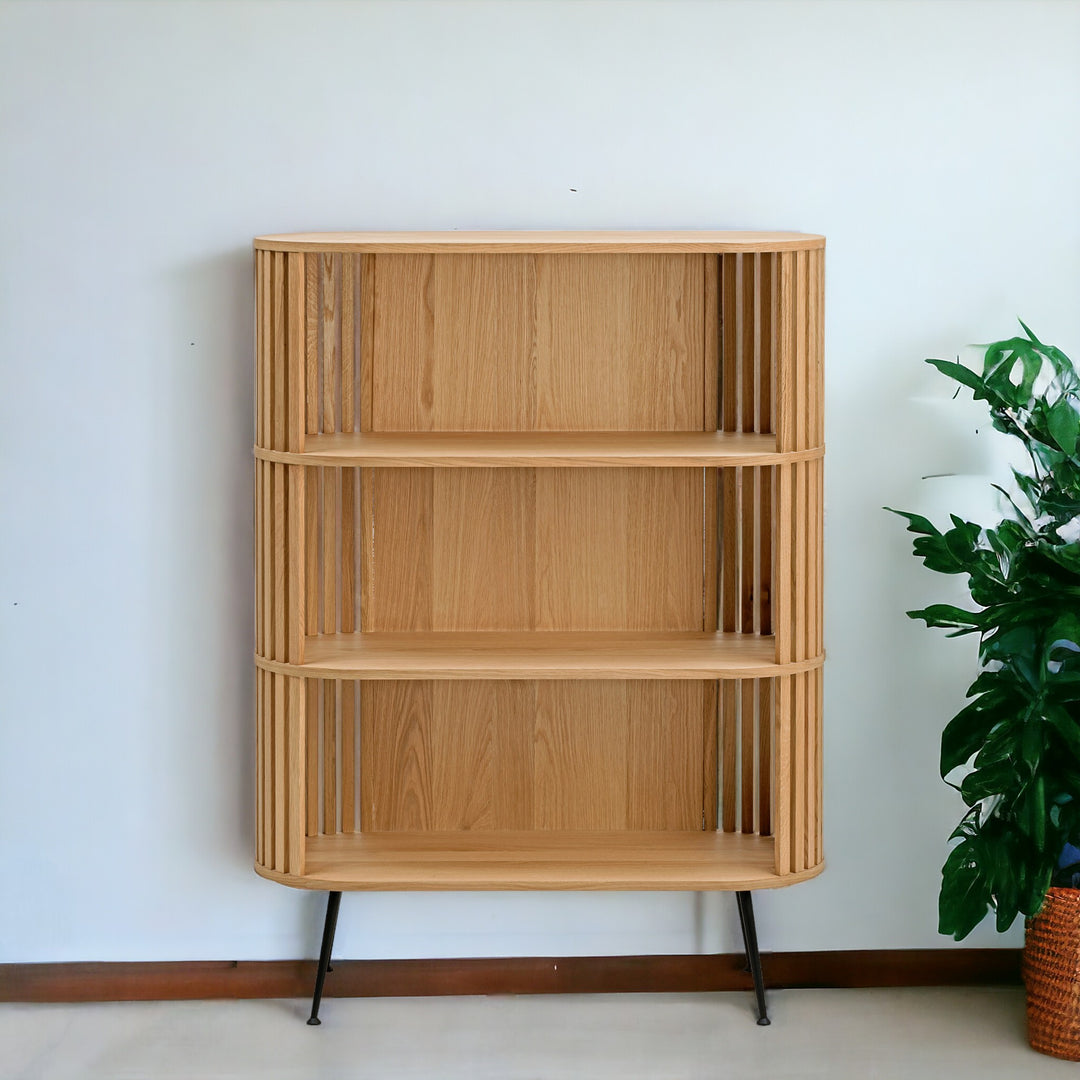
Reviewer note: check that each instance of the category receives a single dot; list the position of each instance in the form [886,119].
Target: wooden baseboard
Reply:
[517,975]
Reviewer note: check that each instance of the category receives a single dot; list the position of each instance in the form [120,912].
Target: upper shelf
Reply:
[525,449]
[539,654]
[721,241]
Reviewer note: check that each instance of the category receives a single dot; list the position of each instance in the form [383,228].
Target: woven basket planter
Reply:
[1052,975]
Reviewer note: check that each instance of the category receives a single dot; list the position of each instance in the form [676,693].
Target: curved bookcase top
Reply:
[716,241]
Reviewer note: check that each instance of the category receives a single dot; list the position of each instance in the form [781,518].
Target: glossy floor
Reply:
[838,1034]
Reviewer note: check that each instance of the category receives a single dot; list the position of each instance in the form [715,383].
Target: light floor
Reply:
[840,1034]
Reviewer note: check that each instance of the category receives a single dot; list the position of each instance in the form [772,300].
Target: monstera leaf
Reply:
[1018,738]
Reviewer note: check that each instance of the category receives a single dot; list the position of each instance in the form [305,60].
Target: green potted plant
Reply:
[1013,751]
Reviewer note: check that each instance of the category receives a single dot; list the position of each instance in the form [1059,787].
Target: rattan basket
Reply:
[1052,975]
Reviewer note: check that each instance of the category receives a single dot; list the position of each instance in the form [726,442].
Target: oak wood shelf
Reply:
[528,449]
[539,564]
[712,241]
[541,860]
[541,654]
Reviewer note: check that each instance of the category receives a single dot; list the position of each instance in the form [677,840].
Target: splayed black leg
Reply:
[333,902]
[753,957]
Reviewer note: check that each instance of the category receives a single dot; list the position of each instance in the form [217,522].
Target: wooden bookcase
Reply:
[538,547]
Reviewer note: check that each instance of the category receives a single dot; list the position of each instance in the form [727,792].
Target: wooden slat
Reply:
[767,304]
[367,340]
[710,593]
[820,741]
[331,340]
[279,534]
[781,785]
[259,716]
[819,355]
[747,333]
[799,771]
[729,728]
[784,386]
[281,781]
[297,595]
[330,485]
[296,353]
[367,552]
[747,738]
[265,350]
[311,344]
[268,577]
[295,777]
[260,569]
[813,266]
[729,550]
[802,526]
[802,350]
[279,389]
[765,752]
[266,768]
[348,756]
[711,306]
[782,562]
[348,343]
[729,370]
[765,550]
[329,756]
[710,756]
[311,756]
[748,501]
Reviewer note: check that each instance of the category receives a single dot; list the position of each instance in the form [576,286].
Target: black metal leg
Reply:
[753,957]
[333,902]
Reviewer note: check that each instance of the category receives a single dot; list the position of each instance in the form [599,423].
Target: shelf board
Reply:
[539,449]
[539,860]
[541,654]
[544,242]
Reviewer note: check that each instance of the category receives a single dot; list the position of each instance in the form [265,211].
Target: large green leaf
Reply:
[958,372]
[1064,424]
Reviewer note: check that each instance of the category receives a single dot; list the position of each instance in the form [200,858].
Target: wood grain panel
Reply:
[523,342]
[483,549]
[540,549]
[521,755]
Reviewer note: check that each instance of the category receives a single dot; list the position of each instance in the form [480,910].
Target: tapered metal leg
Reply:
[333,902]
[753,957]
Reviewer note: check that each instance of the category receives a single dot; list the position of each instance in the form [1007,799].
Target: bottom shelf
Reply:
[540,860]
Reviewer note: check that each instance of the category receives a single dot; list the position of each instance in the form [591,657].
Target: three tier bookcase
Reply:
[539,561]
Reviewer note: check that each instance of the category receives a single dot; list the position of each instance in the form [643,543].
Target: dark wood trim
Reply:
[517,975]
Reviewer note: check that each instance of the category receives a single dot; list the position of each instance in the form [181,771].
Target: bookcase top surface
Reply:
[641,242]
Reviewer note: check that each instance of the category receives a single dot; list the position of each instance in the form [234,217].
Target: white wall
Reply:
[144,144]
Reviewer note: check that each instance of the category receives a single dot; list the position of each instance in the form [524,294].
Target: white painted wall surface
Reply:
[937,145]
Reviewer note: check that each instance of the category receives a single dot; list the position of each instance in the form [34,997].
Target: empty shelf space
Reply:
[540,655]
[540,860]
[525,449]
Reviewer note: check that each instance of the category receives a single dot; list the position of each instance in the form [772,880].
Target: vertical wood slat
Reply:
[347,565]
[729,729]
[710,790]
[747,285]
[747,735]
[713,316]
[785,374]
[765,752]
[781,793]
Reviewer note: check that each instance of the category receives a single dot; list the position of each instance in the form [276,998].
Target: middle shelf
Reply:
[544,654]
[524,449]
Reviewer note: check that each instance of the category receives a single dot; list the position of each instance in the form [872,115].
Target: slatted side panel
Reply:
[748,320]
[797,558]
[332,371]
[745,755]
[281,562]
